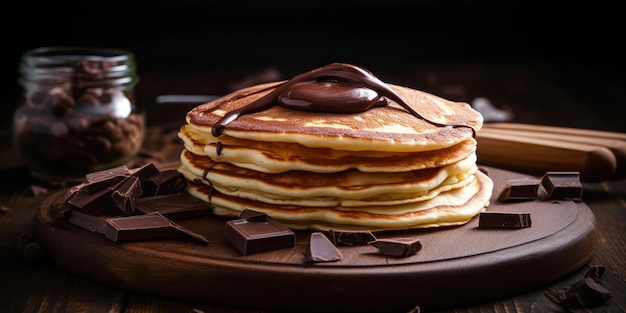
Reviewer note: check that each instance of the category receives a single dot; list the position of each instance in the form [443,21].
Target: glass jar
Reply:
[78,114]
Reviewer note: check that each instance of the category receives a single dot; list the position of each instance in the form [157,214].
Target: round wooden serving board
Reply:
[456,265]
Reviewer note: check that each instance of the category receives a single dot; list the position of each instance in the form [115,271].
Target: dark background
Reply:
[539,59]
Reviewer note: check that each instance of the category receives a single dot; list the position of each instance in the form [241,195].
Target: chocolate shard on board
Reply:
[145,172]
[100,180]
[520,189]
[126,193]
[586,292]
[175,206]
[504,220]
[351,237]
[163,183]
[89,222]
[253,216]
[98,203]
[259,234]
[562,185]
[146,227]
[397,247]
[321,249]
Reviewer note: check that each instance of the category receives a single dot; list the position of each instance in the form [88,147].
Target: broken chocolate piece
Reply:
[97,203]
[175,206]
[503,220]
[586,292]
[562,185]
[595,272]
[144,227]
[145,172]
[126,193]
[100,180]
[163,183]
[520,189]
[249,236]
[351,237]
[89,222]
[397,247]
[321,249]
[253,216]
[105,174]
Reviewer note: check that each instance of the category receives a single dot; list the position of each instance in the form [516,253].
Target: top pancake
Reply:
[390,128]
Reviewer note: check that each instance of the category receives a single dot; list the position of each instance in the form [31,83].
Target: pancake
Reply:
[336,148]
[390,128]
[347,188]
[276,157]
[454,207]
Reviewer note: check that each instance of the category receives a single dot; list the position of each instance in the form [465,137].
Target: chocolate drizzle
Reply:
[334,88]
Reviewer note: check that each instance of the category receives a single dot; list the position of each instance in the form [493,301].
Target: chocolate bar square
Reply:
[563,185]
[256,235]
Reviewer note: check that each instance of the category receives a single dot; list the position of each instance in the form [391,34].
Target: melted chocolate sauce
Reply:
[219,147]
[334,88]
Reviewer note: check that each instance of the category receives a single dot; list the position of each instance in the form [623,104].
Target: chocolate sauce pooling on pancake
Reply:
[334,88]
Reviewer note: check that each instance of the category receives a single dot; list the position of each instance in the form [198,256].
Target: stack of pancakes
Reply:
[379,169]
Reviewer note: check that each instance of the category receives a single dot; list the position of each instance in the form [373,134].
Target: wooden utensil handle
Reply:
[539,155]
[579,132]
[610,140]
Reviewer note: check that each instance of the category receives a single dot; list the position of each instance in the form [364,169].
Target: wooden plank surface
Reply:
[457,265]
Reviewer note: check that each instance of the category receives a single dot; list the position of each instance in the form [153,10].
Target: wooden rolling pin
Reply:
[536,149]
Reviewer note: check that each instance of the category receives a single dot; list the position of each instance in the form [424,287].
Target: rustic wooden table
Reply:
[29,286]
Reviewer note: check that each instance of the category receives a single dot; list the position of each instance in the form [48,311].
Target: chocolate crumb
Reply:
[351,237]
[321,249]
[586,292]
[520,189]
[504,220]
[397,247]
[562,185]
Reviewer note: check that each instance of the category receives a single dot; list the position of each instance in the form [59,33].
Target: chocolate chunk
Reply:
[100,180]
[145,172]
[253,216]
[98,203]
[145,227]
[503,220]
[175,206]
[351,237]
[595,272]
[321,249]
[563,185]
[163,183]
[397,247]
[126,194]
[89,222]
[520,189]
[586,292]
[252,236]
